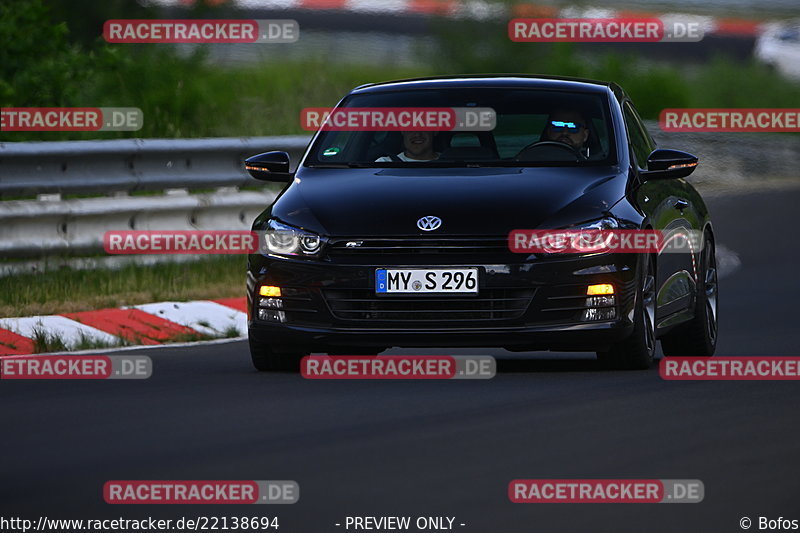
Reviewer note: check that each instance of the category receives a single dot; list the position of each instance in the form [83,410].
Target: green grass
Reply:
[11,345]
[231,332]
[186,98]
[67,290]
[46,341]
[195,337]
[183,99]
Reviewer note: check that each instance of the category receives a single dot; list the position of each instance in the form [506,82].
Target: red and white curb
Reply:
[148,324]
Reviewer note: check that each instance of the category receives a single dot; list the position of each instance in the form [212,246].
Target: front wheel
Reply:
[266,359]
[698,337]
[637,352]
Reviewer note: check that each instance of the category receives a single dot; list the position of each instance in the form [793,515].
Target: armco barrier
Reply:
[41,228]
[76,167]
[735,158]
[51,225]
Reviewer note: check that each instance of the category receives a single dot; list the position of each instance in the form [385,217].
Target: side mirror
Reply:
[269,166]
[669,164]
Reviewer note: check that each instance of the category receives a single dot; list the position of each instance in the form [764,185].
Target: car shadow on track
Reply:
[519,365]
[540,365]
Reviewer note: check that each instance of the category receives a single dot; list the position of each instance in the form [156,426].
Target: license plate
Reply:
[426,280]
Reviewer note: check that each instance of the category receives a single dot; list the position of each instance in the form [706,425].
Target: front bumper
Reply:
[533,305]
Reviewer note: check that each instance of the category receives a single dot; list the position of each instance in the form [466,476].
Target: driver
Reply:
[568,127]
[418,146]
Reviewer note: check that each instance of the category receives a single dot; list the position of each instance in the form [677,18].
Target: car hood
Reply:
[470,201]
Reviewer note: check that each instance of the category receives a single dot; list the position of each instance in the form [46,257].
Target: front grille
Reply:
[416,246]
[490,304]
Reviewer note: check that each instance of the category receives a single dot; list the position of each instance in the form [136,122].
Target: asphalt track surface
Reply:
[440,448]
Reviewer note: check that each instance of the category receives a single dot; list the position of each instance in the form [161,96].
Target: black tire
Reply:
[637,352]
[698,337]
[266,359]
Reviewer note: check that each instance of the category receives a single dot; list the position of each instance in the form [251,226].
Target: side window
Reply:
[640,140]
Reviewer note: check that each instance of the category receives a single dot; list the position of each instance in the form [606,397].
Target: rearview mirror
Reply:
[669,164]
[269,166]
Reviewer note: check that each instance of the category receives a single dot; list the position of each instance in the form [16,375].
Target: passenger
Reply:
[418,147]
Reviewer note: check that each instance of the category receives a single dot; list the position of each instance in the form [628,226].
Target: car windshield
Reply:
[529,127]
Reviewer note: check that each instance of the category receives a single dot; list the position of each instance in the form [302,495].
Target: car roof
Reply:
[495,81]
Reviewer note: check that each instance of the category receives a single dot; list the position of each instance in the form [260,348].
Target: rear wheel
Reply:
[638,350]
[266,359]
[698,337]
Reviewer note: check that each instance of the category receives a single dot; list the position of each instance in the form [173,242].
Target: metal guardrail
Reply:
[110,170]
[735,158]
[51,225]
[129,165]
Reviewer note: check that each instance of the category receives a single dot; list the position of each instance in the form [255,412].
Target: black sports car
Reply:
[390,238]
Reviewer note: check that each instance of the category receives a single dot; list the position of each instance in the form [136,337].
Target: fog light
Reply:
[600,301]
[272,316]
[271,303]
[602,288]
[607,313]
[600,308]
[268,290]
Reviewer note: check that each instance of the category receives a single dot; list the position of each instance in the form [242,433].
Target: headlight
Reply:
[281,239]
[587,238]
[591,242]
[600,224]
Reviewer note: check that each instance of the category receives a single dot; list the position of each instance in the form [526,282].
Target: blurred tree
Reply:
[38,64]
[85,18]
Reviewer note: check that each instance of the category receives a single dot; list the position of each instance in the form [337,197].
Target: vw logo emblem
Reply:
[429,223]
